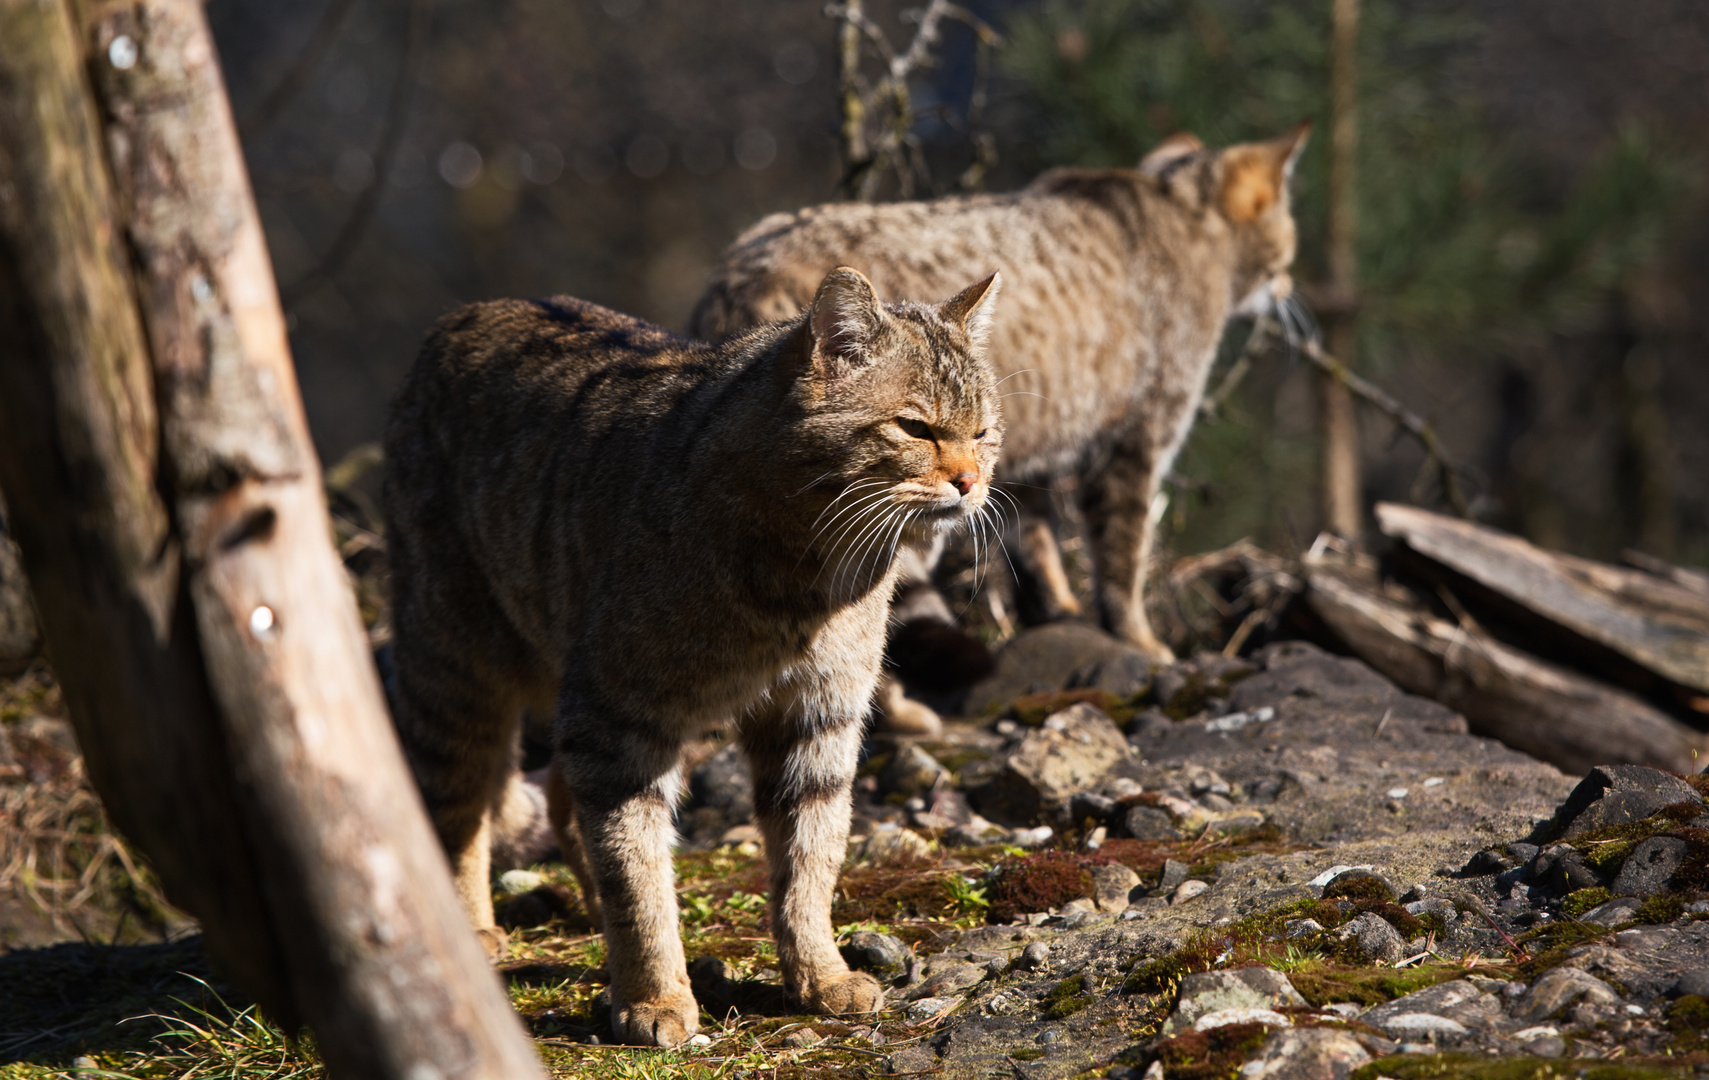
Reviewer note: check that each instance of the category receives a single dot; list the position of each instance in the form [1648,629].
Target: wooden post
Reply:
[1341,485]
[167,502]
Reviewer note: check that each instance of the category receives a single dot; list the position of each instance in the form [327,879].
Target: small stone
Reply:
[1650,866]
[1048,1036]
[1298,928]
[1151,824]
[1377,939]
[1113,886]
[911,1059]
[1187,890]
[1174,872]
[1224,1017]
[1694,981]
[1460,1002]
[700,1039]
[1031,839]
[1424,1025]
[803,1037]
[1091,805]
[1079,920]
[1095,839]
[1034,956]
[1306,1054]
[893,844]
[1331,874]
[737,835]
[1221,991]
[884,955]
[1559,988]
[518,882]
[912,771]
[930,1008]
[1077,905]
[1069,754]
[1398,793]
[947,979]
[1613,913]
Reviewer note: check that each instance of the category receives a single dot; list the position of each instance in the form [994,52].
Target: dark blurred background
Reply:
[1533,224]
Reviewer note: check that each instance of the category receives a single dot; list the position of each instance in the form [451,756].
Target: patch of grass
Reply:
[1688,1021]
[1370,986]
[1472,1067]
[1040,882]
[1604,850]
[1067,998]
[216,1039]
[1550,943]
[967,895]
[1659,908]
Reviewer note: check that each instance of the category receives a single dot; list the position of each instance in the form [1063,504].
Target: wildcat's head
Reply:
[902,408]
[1247,184]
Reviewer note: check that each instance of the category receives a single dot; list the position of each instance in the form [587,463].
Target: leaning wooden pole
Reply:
[1341,482]
[167,502]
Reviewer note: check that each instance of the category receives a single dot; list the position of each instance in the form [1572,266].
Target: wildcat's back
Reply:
[1117,286]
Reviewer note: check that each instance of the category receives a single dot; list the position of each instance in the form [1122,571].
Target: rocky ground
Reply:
[1276,866]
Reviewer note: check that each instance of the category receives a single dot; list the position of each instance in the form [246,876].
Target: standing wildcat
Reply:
[1117,286]
[661,537]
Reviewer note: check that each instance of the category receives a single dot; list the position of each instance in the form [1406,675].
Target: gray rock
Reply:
[892,844]
[911,1059]
[1174,872]
[1150,823]
[884,955]
[1206,992]
[1612,913]
[1113,886]
[1650,866]
[943,980]
[1618,794]
[1034,956]
[1297,669]
[1126,675]
[930,1008]
[1070,753]
[1376,938]
[1559,988]
[1694,981]
[1297,928]
[1042,658]
[1461,1001]
[1416,1026]
[1187,890]
[912,771]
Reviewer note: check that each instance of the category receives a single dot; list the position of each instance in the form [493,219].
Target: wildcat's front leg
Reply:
[625,779]
[803,764]
[1117,506]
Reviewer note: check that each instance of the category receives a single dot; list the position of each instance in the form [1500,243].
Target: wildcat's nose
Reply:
[963,481]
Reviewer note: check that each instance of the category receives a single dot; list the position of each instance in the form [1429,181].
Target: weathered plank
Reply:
[1547,711]
[1653,621]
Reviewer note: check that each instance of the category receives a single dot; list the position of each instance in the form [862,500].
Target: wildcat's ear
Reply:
[845,319]
[972,307]
[1255,174]
[1166,153]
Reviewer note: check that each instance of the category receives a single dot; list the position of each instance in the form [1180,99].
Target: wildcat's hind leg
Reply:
[561,810]
[625,776]
[1042,592]
[1116,500]
[803,764]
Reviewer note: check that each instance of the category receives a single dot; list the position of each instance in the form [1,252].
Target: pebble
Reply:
[1031,838]
[1296,928]
[1398,792]
[1428,1025]
[698,1040]
[1558,988]
[802,1037]
[1224,1017]
[1187,890]
[518,882]
[1434,781]
[1034,955]
[1332,873]
[931,1008]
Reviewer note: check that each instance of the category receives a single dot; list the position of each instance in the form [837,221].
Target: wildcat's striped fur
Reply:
[1117,283]
[659,537]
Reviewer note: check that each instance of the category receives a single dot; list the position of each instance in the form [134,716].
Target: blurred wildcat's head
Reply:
[902,410]
[1247,184]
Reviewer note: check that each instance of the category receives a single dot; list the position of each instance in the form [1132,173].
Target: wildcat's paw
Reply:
[850,992]
[665,1021]
[494,941]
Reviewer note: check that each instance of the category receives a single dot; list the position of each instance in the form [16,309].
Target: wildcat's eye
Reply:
[981,433]
[917,428]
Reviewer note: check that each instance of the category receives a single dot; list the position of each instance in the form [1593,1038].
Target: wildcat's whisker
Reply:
[809,484]
[1022,393]
[861,528]
[866,498]
[1012,374]
[857,486]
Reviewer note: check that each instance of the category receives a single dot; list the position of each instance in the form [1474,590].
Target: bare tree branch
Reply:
[307,62]
[391,138]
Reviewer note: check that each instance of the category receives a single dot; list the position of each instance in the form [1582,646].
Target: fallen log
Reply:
[1603,618]
[1546,710]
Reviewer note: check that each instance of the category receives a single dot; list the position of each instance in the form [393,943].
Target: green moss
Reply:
[1216,1054]
[1577,903]
[1032,710]
[1369,986]
[1067,998]
[1470,1067]
[1661,907]
[1604,850]
[1357,888]
[1027,1053]
[1040,882]
[1688,1020]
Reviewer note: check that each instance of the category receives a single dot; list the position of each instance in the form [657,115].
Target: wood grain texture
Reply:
[1655,622]
[1547,711]
[173,524]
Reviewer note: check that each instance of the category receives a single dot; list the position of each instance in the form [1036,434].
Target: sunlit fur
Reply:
[661,537]
[1117,284]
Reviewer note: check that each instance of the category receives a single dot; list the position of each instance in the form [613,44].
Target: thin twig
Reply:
[391,138]
[307,62]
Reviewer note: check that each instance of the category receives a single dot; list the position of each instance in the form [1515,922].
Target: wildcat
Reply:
[658,537]
[1117,286]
